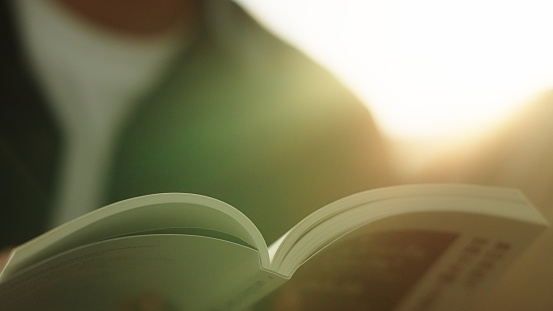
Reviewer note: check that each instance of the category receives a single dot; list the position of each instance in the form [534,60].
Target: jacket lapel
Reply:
[30,143]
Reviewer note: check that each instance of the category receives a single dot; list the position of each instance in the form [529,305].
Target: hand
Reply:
[4,256]
[289,299]
[147,302]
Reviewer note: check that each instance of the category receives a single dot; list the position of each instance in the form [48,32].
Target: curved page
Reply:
[185,272]
[342,216]
[152,212]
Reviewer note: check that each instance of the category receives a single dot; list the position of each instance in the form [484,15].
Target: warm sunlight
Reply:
[427,69]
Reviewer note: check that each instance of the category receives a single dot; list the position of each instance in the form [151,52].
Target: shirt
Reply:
[93,80]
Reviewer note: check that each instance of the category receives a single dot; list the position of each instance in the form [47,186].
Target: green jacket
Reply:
[241,117]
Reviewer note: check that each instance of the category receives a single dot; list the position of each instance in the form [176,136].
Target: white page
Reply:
[184,270]
[149,212]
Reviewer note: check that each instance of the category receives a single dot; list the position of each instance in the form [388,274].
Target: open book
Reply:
[415,247]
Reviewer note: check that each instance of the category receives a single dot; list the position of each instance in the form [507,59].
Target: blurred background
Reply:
[462,89]
[438,75]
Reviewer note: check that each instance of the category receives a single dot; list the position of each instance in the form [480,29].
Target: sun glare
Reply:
[427,69]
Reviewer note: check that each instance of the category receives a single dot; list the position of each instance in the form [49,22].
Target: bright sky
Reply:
[428,69]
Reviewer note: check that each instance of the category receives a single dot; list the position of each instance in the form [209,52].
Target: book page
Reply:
[340,217]
[418,261]
[187,272]
[129,217]
[422,247]
[364,271]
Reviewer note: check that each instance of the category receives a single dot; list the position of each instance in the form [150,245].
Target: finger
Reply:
[289,300]
[4,257]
